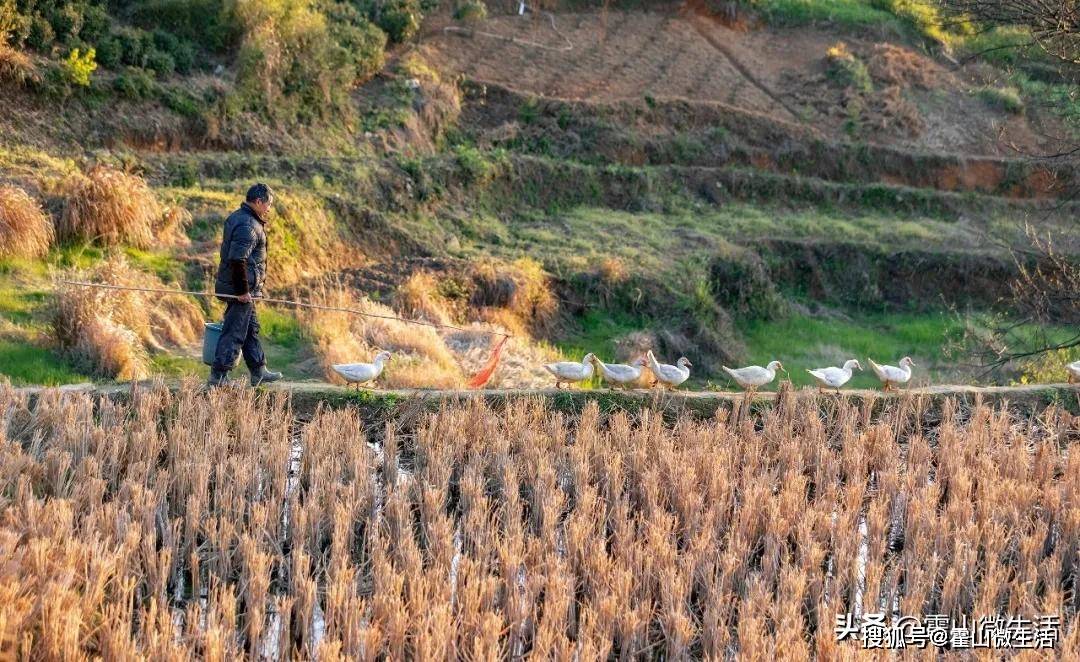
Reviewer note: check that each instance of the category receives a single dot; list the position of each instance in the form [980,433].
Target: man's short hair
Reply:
[259,192]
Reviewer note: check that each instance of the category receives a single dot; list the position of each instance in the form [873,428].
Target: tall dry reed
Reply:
[25,229]
[110,207]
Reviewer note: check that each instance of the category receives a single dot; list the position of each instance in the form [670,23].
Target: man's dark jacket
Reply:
[242,269]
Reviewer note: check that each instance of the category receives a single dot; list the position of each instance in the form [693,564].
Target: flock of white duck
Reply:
[749,378]
[669,375]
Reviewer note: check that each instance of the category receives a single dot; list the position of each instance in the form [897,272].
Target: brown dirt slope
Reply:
[684,52]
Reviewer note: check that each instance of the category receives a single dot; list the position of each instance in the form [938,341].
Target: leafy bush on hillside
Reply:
[399,19]
[134,83]
[13,25]
[209,23]
[40,35]
[294,65]
[363,41]
[78,66]
[1007,99]
[848,70]
[95,23]
[295,60]
[471,11]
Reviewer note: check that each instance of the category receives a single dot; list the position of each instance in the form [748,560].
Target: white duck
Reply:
[751,377]
[892,375]
[667,374]
[1073,371]
[834,377]
[620,373]
[571,371]
[361,373]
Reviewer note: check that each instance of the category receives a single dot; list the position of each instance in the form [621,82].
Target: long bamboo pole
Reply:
[285,302]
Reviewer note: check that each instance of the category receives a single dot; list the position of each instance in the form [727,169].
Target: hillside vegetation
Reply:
[733,182]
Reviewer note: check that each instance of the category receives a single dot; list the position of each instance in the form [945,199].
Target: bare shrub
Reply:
[25,229]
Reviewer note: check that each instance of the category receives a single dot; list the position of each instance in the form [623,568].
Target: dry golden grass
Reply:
[109,207]
[425,357]
[613,271]
[169,526]
[25,229]
[112,332]
[421,357]
[519,365]
[418,298]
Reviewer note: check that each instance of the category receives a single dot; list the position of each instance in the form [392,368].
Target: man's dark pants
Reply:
[239,333]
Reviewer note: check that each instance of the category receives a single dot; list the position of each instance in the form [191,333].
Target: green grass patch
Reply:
[596,332]
[173,365]
[164,266]
[847,13]
[663,242]
[20,304]
[25,363]
[898,17]
[280,328]
[1059,99]
[801,342]
[1003,46]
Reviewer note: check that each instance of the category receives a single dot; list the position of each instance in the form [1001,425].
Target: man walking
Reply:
[241,272]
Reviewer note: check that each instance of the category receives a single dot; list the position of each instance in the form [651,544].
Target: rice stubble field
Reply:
[179,525]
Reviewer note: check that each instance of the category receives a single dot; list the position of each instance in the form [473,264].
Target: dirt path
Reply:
[308,396]
[699,16]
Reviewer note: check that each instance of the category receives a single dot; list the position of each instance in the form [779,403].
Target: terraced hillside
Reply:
[602,181]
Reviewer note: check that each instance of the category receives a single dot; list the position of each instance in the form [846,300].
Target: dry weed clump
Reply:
[171,526]
[109,207]
[16,67]
[518,295]
[895,65]
[25,229]
[425,357]
[112,332]
[419,298]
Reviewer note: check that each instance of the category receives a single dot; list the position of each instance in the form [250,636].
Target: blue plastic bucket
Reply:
[211,336]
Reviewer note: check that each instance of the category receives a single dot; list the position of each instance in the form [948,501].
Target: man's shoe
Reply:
[217,379]
[264,376]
